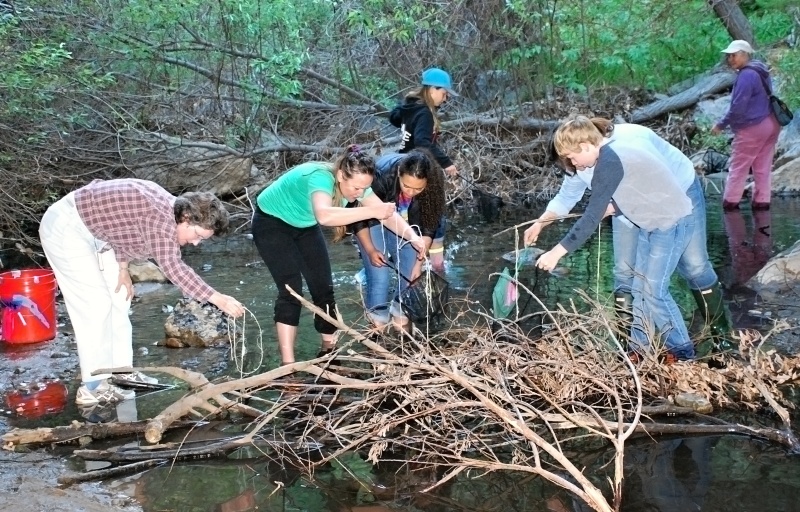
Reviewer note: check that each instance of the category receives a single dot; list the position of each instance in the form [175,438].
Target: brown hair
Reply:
[424,93]
[202,209]
[603,125]
[353,161]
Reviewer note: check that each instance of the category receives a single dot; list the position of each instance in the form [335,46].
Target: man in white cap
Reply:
[755,129]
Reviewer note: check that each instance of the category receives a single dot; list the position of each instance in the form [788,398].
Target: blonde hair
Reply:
[424,93]
[573,132]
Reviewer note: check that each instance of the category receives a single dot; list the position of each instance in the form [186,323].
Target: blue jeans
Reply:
[378,279]
[654,309]
[694,265]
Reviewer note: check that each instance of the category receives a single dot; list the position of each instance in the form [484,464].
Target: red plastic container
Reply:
[28,301]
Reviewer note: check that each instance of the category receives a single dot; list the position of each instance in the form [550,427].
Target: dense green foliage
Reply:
[378,45]
[37,69]
[77,77]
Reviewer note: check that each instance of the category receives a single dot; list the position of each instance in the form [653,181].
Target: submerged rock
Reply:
[146,272]
[694,401]
[196,324]
[779,276]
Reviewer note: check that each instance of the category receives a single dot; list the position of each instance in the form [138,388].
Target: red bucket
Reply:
[28,300]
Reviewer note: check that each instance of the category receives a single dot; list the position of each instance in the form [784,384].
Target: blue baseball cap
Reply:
[435,77]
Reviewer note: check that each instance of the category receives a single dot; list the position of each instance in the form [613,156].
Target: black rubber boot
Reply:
[623,309]
[716,316]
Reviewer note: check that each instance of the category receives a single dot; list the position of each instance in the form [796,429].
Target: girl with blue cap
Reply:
[420,128]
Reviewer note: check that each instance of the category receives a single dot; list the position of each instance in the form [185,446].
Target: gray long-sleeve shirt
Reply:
[632,177]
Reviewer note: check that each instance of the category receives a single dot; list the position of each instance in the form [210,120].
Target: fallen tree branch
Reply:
[76,431]
[711,84]
[102,474]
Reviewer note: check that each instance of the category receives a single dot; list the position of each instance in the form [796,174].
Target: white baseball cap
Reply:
[738,46]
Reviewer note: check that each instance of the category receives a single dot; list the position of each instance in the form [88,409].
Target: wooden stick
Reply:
[534,221]
[102,474]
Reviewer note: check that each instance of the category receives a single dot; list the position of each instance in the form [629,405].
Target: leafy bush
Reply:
[788,65]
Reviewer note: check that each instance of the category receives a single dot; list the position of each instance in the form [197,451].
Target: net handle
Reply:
[391,266]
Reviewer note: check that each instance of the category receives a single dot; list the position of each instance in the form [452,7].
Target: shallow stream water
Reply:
[709,473]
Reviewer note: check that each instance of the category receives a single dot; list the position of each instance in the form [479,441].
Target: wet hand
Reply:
[532,233]
[377,259]
[420,246]
[124,279]
[227,304]
[386,210]
[550,259]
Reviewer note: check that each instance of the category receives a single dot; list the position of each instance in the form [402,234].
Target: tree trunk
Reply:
[712,84]
[733,18]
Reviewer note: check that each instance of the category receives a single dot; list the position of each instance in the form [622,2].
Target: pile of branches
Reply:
[467,398]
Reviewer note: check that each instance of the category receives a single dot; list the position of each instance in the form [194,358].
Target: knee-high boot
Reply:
[716,316]
[623,310]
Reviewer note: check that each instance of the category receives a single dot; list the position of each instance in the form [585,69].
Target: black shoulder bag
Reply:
[779,108]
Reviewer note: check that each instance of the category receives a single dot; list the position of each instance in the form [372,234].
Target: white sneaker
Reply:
[120,412]
[103,393]
[134,378]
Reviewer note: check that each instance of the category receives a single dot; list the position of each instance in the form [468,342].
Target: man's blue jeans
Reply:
[694,265]
[378,279]
[654,309]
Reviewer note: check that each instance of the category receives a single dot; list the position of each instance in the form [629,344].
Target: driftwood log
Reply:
[708,85]
[78,432]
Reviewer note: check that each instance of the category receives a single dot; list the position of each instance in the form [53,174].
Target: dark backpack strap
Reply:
[763,79]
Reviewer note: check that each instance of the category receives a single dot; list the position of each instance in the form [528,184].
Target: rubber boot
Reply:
[623,310]
[715,314]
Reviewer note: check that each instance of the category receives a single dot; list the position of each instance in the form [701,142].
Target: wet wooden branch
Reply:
[77,431]
[781,437]
[102,474]
[172,451]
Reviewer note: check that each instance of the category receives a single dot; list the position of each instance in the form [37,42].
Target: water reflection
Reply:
[672,474]
[709,473]
[750,246]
